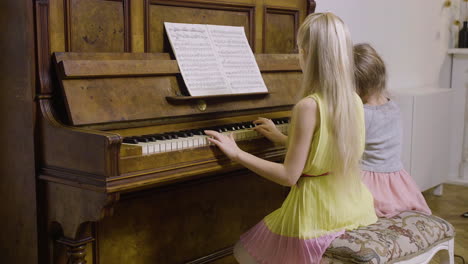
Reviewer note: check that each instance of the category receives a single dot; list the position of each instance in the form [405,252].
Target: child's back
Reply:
[393,188]
[383,138]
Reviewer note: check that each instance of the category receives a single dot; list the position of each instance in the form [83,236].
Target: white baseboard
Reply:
[463,172]
[459,181]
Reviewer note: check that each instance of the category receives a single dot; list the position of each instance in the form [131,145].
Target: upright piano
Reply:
[127,174]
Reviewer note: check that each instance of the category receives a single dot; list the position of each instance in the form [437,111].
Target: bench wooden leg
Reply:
[447,256]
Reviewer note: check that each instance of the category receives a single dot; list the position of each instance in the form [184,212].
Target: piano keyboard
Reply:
[186,139]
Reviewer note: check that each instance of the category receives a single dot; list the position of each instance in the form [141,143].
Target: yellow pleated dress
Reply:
[316,211]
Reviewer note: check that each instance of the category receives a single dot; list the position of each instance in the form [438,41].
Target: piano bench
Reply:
[409,237]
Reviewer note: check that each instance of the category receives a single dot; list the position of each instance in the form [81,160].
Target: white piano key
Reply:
[162,146]
[157,147]
[150,147]
[144,148]
[190,142]
[179,143]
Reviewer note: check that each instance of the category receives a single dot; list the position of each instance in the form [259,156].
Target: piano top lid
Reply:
[121,87]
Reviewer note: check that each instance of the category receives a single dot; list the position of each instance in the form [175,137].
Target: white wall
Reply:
[412,36]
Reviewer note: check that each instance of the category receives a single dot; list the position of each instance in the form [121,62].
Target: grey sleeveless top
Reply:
[383,138]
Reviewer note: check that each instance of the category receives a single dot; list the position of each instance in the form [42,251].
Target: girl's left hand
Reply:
[227,144]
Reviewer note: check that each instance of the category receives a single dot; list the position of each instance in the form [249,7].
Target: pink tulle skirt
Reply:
[265,247]
[394,192]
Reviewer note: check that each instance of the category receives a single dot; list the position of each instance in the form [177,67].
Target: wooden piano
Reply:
[127,175]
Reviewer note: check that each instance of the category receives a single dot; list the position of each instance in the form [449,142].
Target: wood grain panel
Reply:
[280,29]
[185,222]
[158,12]
[97,25]
[90,101]
[19,239]
[115,90]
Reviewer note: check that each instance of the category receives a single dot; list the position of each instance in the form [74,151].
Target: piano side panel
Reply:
[19,242]
[74,150]
[198,13]
[185,222]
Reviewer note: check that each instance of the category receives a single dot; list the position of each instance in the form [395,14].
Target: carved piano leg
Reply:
[76,249]
[74,210]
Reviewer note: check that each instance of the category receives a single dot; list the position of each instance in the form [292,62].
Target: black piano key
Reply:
[279,121]
[199,132]
[245,125]
[226,128]
[130,140]
[142,139]
[150,138]
[190,132]
[160,137]
[171,135]
[219,129]
[181,134]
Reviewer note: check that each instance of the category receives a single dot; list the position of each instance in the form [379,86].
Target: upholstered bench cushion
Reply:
[390,239]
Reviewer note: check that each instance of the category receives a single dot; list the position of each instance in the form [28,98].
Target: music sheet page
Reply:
[215,59]
[237,59]
[197,59]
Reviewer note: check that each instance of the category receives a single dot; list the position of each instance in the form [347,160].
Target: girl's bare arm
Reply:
[304,117]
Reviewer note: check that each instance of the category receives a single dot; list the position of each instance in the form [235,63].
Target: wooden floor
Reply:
[450,206]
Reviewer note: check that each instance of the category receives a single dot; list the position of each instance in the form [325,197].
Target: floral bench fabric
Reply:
[390,239]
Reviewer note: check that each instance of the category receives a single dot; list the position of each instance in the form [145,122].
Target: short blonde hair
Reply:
[370,73]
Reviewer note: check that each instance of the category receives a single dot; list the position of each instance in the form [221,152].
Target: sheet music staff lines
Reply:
[215,59]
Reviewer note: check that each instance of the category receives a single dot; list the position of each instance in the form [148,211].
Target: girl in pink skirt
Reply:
[393,188]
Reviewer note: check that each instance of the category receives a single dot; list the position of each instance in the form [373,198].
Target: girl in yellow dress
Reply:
[324,146]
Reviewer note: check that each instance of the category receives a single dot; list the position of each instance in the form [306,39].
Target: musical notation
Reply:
[197,59]
[215,59]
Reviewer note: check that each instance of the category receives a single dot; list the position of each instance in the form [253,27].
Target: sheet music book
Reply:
[215,59]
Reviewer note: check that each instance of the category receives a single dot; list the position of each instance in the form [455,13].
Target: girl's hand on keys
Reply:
[227,144]
[267,128]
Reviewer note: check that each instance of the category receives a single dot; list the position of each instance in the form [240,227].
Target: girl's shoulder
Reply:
[308,103]
[389,106]
[316,97]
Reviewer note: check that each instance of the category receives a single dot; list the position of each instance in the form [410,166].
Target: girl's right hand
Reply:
[267,128]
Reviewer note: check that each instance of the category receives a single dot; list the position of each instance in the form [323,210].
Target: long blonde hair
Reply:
[328,69]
